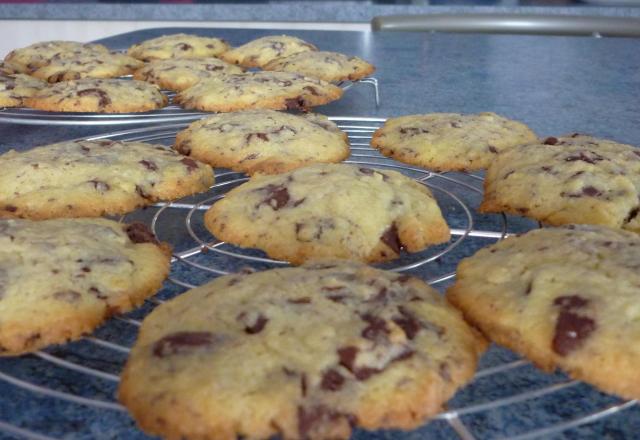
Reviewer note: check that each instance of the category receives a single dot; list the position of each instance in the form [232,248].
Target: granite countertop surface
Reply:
[554,84]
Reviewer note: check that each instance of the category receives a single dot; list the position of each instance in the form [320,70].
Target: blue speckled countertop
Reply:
[554,84]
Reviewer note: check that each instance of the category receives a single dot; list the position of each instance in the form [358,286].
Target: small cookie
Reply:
[329,66]
[331,211]
[264,141]
[178,46]
[274,90]
[14,88]
[30,58]
[572,179]
[181,73]
[258,53]
[98,96]
[94,178]
[450,141]
[298,353]
[563,297]
[87,66]
[60,279]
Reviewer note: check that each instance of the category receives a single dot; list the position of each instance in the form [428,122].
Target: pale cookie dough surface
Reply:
[14,88]
[30,58]
[181,73]
[109,65]
[94,178]
[450,141]
[572,179]
[263,141]
[59,279]
[178,46]
[330,210]
[563,297]
[98,96]
[329,66]
[303,353]
[272,90]
[258,53]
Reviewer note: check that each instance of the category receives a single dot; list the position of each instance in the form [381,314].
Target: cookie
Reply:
[14,88]
[329,66]
[299,353]
[264,141]
[98,96]
[572,179]
[30,58]
[90,65]
[258,53]
[181,73]
[563,297]
[274,90]
[61,278]
[450,141]
[178,46]
[94,178]
[329,210]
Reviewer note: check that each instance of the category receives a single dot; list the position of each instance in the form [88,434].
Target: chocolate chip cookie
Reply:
[264,141]
[330,210]
[92,65]
[15,88]
[98,96]
[300,353]
[329,66]
[178,46]
[273,90]
[258,53]
[60,279]
[571,179]
[563,297]
[450,141]
[94,178]
[27,59]
[181,73]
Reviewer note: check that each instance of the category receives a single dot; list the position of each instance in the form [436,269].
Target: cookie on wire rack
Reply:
[570,179]
[301,353]
[181,73]
[98,96]
[95,178]
[330,211]
[92,65]
[265,141]
[27,59]
[252,90]
[61,278]
[329,66]
[178,46]
[14,88]
[563,297]
[450,141]
[259,52]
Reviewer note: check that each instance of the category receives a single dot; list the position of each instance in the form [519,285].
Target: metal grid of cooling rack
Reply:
[198,256]
[168,114]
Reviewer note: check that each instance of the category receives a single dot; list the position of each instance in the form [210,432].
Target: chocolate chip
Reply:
[183,343]
[390,238]
[493,149]
[190,164]
[527,290]
[303,300]
[277,196]
[100,185]
[140,233]
[591,191]
[250,157]
[332,380]
[571,329]
[550,141]
[104,99]
[571,302]
[590,158]
[212,67]
[303,384]
[256,325]
[347,356]
[183,147]
[148,164]
[376,328]
[261,136]
[413,131]
[632,214]
[407,322]
[184,46]
[295,103]
[10,208]
[546,169]
[95,291]
[311,90]
[142,193]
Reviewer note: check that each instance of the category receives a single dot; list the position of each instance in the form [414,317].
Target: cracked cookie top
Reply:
[570,179]
[306,353]
[259,52]
[30,58]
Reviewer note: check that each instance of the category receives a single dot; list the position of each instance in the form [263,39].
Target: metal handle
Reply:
[511,24]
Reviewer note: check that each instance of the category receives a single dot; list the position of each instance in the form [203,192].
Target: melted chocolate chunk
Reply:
[100,185]
[550,141]
[632,214]
[332,380]
[590,158]
[376,328]
[277,196]
[295,104]
[591,191]
[347,356]
[10,208]
[493,149]
[571,329]
[183,343]
[148,164]
[257,326]
[104,99]
[407,322]
[184,46]
[190,164]
[390,238]
[140,233]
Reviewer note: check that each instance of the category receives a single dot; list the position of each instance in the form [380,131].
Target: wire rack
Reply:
[76,382]
[168,114]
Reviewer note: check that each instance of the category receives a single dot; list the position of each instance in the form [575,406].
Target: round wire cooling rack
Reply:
[68,391]
[170,113]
